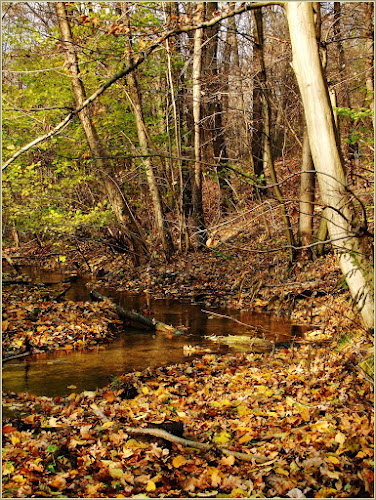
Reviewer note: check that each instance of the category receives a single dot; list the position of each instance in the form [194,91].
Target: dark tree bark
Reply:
[214,144]
[266,154]
[198,213]
[135,97]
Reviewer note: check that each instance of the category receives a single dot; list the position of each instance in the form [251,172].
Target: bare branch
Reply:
[139,60]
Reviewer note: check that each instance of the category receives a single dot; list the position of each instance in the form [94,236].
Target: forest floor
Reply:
[295,422]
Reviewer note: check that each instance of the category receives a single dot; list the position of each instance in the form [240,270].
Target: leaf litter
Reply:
[308,414]
[31,318]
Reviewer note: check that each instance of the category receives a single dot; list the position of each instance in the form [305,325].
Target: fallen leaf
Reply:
[58,482]
[178,461]
[151,486]
[229,460]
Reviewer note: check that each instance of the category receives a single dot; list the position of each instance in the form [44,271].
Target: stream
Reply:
[55,374]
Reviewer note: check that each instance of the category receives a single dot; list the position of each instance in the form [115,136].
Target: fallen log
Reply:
[17,282]
[15,356]
[11,263]
[137,317]
[167,436]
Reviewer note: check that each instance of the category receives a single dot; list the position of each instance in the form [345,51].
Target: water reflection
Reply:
[136,349]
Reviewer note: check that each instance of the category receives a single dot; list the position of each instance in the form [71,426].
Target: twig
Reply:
[195,444]
[160,433]
[229,317]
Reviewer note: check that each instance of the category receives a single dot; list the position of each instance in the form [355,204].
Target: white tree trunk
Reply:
[342,226]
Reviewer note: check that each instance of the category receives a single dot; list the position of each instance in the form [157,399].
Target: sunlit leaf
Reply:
[178,461]
[151,486]
[222,437]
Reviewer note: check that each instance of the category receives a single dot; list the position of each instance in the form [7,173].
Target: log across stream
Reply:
[60,373]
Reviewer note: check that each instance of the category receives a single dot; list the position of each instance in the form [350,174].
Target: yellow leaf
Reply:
[340,438]
[215,478]
[238,493]
[245,438]
[181,414]
[52,422]
[15,440]
[106,425]
[272,414]
[229,460]
[151,486]
[222,437]
[304,412]
[8,468]
[361,454]
[333,460]
[115,472]
[243,410]
[293,466]
[279,470]
[179,461]
[71,386]
[4,325]
[264,391]
[19,478]
[326,493]
[145,390]
[290,401]
[321,426]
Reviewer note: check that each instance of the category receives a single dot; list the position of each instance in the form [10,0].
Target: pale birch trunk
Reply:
[344,231]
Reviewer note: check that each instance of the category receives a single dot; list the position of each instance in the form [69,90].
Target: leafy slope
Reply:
[305,411]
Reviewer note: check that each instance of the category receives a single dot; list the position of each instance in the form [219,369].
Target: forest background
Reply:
[127,129]
[220,152]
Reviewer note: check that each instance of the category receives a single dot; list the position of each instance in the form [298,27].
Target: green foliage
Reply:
[44,198]
[362,129]
[355,114]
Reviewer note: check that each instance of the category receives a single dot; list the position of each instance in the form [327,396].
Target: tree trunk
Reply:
[307,194]
[137,317]
[344,230]
[117,200]
[135,97]
[257,113]
[267,155]
[370,54]
[343,125]
[172,14]
[214,148]
[198,213]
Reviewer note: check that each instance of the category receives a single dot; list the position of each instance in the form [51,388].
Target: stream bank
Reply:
[84,344]
[307,411]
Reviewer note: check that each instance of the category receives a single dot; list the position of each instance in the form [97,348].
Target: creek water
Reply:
[51,374]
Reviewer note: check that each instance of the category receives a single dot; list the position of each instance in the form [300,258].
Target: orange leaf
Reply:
[58,483]
[179,461]
[109,396]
